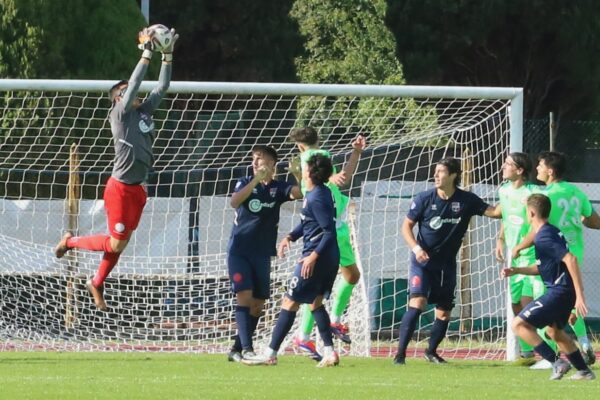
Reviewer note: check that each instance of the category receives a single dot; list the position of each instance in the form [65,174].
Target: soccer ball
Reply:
[160,34]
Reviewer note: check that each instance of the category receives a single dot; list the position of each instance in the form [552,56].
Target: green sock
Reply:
[579,327]
[307,323]
[342,297]
[525,347]
[546,338]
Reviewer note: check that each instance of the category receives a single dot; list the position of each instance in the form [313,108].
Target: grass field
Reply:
[145,376]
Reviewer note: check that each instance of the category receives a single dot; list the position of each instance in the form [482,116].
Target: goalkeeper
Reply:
[125,194]
[307,140]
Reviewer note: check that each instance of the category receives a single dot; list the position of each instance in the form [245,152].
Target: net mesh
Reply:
[170,289]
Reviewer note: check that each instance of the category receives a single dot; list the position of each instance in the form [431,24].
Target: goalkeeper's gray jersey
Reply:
[133,128]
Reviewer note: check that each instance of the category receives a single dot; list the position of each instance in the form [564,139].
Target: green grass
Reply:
[187,376]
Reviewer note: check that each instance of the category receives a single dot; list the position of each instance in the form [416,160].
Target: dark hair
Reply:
[453,165]
[306,135]
[540,204]
[320,168]
[115,90]
[522,161]
[268,150]
[555,161]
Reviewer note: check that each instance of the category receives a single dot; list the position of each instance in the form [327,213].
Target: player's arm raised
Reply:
[571,262]
[342,178]
[530,270]
[493,211]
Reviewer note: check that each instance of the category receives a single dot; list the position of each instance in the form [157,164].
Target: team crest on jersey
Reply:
[455,206]
[254,191]
[146,124]
[434,207]
[273,192]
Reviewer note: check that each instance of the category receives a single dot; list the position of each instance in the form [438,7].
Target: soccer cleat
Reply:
[434,358]
[542,364]
[61,248]
[309,347]
[340,331]
[584,375]
[559,369]
[330,360]
[259,360]
[97,294]
[589,356]
[234,356]
[399,359]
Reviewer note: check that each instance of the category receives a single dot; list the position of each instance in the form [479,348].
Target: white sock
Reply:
[328,350]
[337,319]
[271,352]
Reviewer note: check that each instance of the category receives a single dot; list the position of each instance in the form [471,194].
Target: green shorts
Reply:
[525,286]
[346,251]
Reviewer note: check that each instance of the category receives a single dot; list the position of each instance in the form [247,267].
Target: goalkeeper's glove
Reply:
[167,52]
[145,42]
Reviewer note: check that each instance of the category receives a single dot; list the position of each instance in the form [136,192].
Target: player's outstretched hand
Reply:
[294,165]
[338,179]
[283,246]
[359,143]
[145,39]
[262,173]
[169,48]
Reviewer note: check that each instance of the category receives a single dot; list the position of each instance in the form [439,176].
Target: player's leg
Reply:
[240,276]
[518,301]
[577,323]
[443,285]
[418,289]
[343,290]
[330,357]
[535,288]
[575,357]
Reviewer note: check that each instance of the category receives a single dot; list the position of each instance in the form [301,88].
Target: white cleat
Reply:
[542,364]
[330,360]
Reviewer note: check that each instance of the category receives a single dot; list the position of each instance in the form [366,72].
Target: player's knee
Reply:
[117,245]
[518,324]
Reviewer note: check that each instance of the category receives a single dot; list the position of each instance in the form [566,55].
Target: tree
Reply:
[548,47]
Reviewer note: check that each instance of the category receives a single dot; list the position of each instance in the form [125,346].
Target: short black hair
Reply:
[540,204]
[523,161]
[306,135]
[320,168]
[271,152]
[114,90]
[556,161]
[453,165]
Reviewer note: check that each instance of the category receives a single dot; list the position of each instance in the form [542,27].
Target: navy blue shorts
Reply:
[319,284]
[250,273]
[551,308]
[437,285]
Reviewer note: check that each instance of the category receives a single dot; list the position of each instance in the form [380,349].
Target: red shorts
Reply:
[124,205]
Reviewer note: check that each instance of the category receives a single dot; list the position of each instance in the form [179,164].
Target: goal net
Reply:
[170,290]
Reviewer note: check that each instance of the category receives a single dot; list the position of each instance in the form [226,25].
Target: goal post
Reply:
[170,290]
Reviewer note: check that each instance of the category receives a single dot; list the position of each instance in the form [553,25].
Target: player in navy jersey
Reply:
[257,200]
[443,216]
[559,270]
[315,273]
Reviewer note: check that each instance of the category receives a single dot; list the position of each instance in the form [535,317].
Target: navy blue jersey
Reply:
[318,222]
[550,249]
[442,223]
[257,218]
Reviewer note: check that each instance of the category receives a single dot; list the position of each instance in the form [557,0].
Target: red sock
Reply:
[94,243]
[109,260]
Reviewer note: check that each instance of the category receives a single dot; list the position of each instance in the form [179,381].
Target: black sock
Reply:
[282,328]
[242,319]
[407,328]
[546,352]
[324,325]
[576,359]
[438,333]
